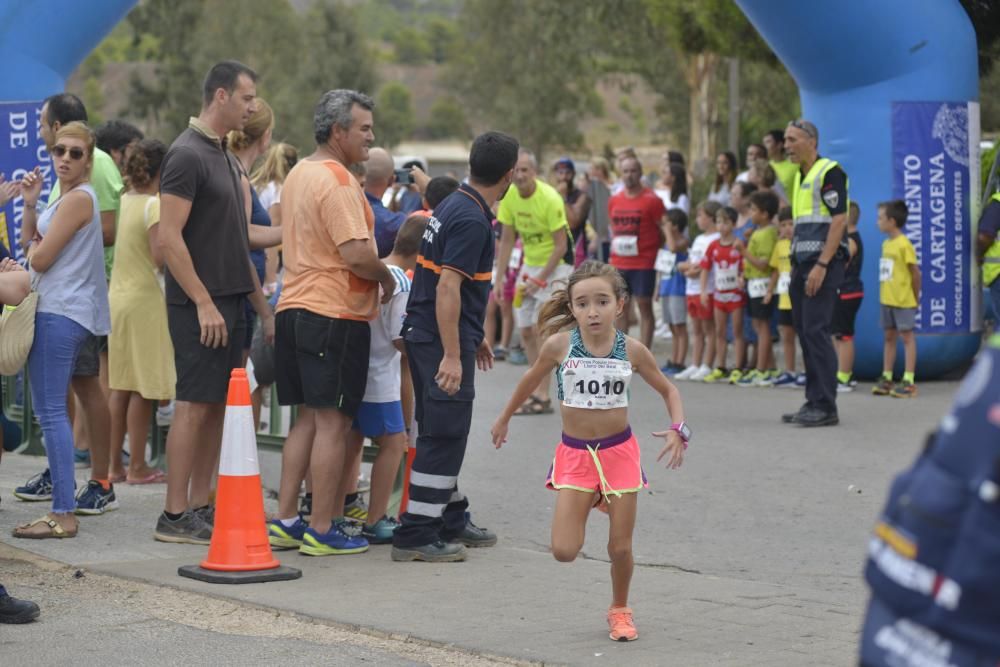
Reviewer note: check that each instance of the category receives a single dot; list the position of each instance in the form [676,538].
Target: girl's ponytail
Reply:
[555,314]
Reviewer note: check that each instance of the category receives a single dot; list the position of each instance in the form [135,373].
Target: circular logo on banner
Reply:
[951,126]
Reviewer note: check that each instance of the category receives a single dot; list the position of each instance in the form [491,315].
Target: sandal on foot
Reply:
[535,406]
[118,479]
[52,529]
[156,477]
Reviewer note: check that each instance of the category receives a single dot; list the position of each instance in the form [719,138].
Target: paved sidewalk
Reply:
[749,555]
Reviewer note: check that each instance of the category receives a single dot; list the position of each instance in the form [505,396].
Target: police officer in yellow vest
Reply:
[988,252]
[819,254]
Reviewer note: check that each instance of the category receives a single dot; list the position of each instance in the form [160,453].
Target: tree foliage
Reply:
[394,114]
[447,120]
[297,56]
[985,16]
[528,67]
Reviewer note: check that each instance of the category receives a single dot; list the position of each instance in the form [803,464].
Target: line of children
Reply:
[723,276]
[899,294]
[597,460]
[723,263]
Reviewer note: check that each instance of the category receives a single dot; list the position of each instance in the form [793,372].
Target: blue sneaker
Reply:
[381,531]
[800,380]
[784,380]
[517,357]
[333,543]
[81,458]
[37,488]
[94,500]
[286,537]
[670,369]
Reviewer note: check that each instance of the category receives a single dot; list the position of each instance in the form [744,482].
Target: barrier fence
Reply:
[17,407]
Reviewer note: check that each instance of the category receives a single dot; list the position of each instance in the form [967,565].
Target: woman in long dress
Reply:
[140,352]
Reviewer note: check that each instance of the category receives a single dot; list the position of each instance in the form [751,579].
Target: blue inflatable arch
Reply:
[893,87]
[43,41]
[889,85]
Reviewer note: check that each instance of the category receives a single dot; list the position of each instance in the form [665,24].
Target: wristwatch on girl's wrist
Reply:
[682,430]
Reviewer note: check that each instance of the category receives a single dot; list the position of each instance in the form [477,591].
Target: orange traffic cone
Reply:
[239,552]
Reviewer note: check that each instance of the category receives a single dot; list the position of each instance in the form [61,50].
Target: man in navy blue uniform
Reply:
[443,333]
[932,562]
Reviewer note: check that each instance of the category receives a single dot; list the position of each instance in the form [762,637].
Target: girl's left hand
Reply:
[674,447]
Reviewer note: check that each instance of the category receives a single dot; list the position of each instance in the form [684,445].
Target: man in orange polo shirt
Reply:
[331,291]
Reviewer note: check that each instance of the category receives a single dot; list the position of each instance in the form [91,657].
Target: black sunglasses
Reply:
[75,153]
[806,127]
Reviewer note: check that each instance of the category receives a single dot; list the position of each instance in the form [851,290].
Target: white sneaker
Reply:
[686,373]
[702,373]
[165,414]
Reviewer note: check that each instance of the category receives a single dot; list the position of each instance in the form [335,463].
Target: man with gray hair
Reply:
[330,293]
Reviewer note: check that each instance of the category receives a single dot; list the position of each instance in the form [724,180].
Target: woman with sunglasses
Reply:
[66,255]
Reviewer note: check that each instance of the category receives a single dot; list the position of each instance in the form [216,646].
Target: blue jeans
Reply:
[50,368]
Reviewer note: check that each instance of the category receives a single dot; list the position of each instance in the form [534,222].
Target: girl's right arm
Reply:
[550,356]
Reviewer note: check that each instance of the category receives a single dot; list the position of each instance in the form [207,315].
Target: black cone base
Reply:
[280,573]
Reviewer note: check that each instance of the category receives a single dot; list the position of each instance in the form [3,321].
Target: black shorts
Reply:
[641,282]
[759,310]
[203,372]
[845,311]
[262,356]
[88,359]
[785,318]
[250,316]
[320,362]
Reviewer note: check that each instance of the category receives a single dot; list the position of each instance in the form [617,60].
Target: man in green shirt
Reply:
[774,142]
[535,211]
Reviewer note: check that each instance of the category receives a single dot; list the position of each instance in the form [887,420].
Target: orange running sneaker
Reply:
[622,627]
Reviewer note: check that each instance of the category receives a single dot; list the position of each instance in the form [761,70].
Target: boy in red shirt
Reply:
[725,255]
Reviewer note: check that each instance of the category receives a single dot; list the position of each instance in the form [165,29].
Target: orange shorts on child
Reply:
[608,466]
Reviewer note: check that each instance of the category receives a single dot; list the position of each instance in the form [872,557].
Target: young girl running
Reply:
[597,462]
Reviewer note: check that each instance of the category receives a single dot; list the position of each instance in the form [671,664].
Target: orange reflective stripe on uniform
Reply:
[428,264]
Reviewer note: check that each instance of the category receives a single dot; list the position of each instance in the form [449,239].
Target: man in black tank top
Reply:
[849,297]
